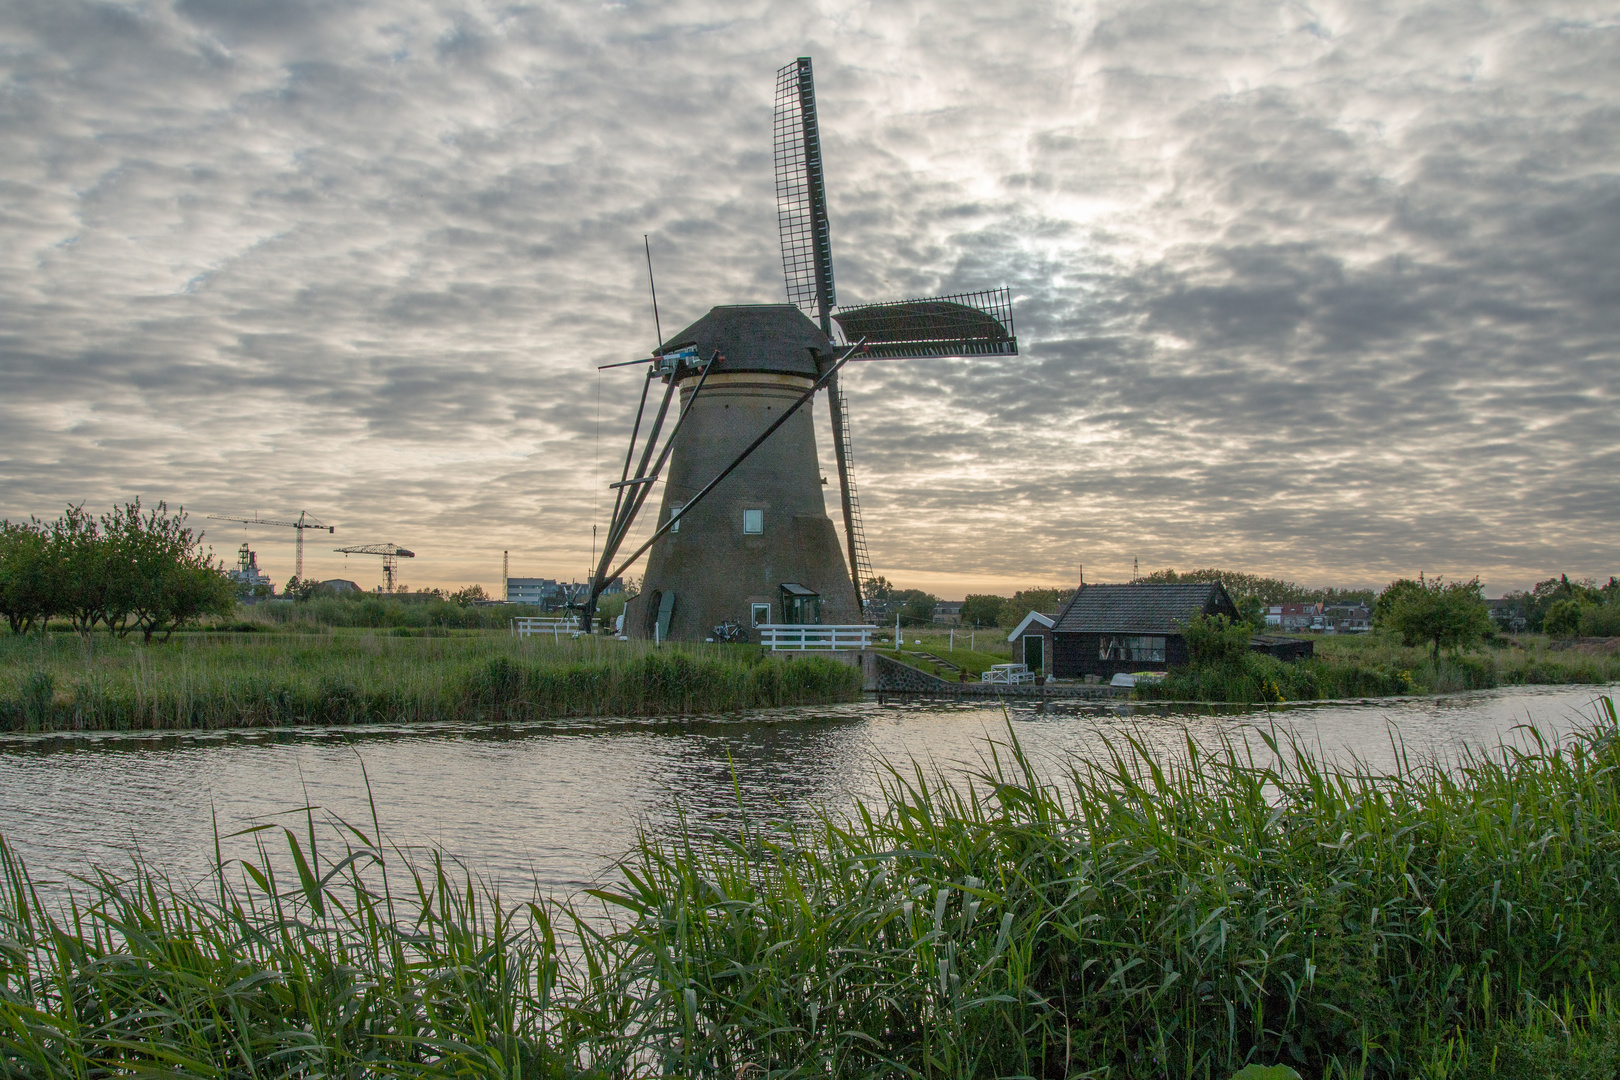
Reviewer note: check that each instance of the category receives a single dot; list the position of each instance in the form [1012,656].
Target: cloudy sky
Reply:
[1328,291]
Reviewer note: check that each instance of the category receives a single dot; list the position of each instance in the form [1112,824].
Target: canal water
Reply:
[552,804]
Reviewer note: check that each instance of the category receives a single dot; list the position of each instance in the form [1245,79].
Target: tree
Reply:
[302,591]
[1268,590]
[982,609]
[468,596]
[1251,613]
[1217,641]
[82,578]
[1563,617]
[1043,599]
[1547,593]
[174,581]
[1393,595]
[1449,613]
[918,606]
[26,596]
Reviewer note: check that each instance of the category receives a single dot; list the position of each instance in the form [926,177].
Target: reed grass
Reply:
[1143,918]
[1139,916]
[231,680]
[1377,665]
[357,966]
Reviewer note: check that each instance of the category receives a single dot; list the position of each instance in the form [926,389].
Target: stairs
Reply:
[931,658]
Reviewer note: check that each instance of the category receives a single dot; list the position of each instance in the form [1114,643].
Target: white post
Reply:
[953,639]
[897,642]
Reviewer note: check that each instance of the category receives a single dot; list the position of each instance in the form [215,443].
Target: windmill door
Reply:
[800,606]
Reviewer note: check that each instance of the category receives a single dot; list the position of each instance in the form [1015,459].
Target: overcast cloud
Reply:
[1325,291]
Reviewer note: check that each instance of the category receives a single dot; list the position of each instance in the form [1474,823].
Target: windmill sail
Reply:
[965,324]
[801,195]
[801,215]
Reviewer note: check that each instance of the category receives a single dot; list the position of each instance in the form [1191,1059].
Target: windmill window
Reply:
[675,517]
[761,613]
[753,522]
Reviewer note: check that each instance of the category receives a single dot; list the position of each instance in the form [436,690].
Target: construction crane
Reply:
[304,522]
[391,554]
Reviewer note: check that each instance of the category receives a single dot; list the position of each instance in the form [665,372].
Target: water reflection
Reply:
[556,802]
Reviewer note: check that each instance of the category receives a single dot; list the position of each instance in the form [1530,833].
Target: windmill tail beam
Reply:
[640,487]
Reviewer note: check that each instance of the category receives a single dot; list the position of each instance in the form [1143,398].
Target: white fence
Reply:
[1011,674]
[527,627]
[797,637]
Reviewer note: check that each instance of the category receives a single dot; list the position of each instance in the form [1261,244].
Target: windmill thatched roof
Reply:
[757,337]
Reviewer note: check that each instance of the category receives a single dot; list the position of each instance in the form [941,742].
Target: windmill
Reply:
[743,474]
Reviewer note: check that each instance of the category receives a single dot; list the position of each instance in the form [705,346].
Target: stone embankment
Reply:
[886,675]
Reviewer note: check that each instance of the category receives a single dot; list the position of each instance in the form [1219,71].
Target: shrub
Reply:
[1215,639]
[1601,620]
[1563,617]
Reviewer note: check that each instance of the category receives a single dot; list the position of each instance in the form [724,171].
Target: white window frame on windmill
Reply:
[754,522]
[675,509]
[760,614]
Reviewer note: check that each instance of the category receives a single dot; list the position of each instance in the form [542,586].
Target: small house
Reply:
[1104,630]
[948,612]
[1032,641]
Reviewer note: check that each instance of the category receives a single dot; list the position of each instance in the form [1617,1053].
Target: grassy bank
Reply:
[1376,665]
[342,677]
[974,663]
[1136,918]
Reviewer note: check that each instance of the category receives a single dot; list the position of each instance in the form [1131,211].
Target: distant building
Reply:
[1508,613]
[948,612]
[552,595]
[1319,618]
[1295,617]
[1104,630]
[337,586]
[247,573]
[1347,619]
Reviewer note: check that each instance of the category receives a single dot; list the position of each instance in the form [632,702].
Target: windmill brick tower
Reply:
[742,536]
[761,548]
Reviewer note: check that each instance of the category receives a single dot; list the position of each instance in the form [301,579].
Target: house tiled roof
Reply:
[1141,608]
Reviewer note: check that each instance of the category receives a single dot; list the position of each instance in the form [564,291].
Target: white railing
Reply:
[803,637]
[1008,674]
[528,626]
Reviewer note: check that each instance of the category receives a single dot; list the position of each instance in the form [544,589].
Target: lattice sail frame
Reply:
[801,194]
[960,324]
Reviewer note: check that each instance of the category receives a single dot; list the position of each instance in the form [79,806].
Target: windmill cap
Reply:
[757,337]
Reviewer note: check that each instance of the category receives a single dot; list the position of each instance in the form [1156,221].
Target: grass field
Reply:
[1134,918]
[210,680]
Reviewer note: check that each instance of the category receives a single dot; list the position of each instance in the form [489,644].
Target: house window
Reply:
[761,613]
[1121,648]
[675,517]
[753,522]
